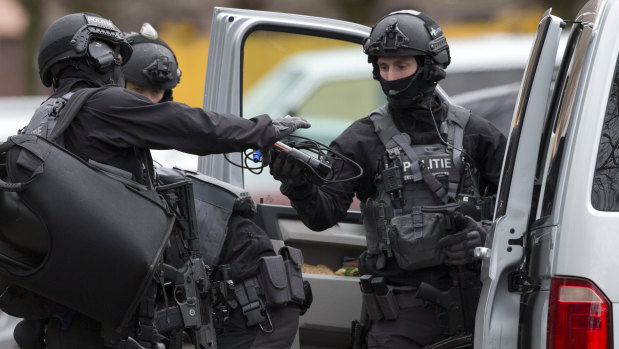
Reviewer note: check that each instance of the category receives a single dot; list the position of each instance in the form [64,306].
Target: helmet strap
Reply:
[167,96]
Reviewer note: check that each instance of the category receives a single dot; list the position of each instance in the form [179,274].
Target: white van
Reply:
[548,267]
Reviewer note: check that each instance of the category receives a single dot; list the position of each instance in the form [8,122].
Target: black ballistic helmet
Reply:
[409,33]
[86,36]
[153,63]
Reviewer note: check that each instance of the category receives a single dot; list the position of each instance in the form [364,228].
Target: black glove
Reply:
[287,125]
[283,127]
[459,247]
[287,169]
[30,334]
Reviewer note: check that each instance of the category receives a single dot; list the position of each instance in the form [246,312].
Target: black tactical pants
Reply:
[236,335]
[415,327]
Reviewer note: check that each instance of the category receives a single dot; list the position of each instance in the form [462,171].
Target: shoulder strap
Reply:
[69,111]
[391,137]
[457,118]
[383,124]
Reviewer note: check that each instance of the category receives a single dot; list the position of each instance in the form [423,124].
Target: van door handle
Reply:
[482,252]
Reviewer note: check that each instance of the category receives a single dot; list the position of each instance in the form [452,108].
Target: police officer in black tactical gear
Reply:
[116,127]
[429,168]
[153,71]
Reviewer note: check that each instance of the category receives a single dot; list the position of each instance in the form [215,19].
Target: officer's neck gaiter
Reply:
[418,121]
[401,89]
[407,92]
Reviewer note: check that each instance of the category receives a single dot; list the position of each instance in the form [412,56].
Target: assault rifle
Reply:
[462,298]
[460,306]
[188,284]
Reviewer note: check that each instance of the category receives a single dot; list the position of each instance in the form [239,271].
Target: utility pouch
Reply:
[415,236]
[392,179]
[274,281]
[369,298]
[293,260]
[385,299]
[415,239]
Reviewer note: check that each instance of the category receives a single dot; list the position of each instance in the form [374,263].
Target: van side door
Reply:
[315,68]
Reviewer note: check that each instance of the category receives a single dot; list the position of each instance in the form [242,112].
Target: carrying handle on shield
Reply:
[14,187]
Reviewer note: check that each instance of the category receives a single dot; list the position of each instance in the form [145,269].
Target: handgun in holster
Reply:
[460,303]
[450,300]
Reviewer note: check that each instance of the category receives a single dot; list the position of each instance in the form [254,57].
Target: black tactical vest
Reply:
[46,121]
[405,219]
[45,116]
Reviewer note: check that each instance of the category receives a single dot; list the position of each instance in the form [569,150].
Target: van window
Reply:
[605,193]
[326,81]
[326,99]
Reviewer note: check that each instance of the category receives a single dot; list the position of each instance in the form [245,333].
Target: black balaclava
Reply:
[402,90]
[411,92]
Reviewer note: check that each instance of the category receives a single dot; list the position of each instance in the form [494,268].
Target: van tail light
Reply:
[579,315]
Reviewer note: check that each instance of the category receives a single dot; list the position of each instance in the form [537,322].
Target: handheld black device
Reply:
[320,167]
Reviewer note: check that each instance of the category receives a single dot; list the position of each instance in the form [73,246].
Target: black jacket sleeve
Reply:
[115,124]
[125,118]
[486,144]
[321,207]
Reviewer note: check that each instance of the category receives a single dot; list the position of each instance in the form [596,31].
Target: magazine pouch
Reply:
[274,281]
[293,260]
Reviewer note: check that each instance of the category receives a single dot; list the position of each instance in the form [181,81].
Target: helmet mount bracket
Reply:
[393,38]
